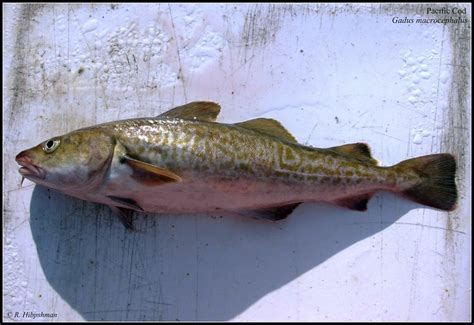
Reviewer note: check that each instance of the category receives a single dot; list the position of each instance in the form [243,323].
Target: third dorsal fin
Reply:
[268,126]
[359,151]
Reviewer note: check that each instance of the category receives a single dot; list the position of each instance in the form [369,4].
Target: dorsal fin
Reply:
[203,111]
[268,126]
[359,151]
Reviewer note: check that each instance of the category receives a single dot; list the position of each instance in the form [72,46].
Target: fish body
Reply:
[184,162]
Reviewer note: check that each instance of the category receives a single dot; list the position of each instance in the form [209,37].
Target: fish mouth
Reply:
[28,169]
[31,171]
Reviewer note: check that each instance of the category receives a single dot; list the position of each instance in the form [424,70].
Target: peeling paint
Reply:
[18,80]
[18,76]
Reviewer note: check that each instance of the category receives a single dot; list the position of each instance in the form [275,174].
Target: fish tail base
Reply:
[437,185]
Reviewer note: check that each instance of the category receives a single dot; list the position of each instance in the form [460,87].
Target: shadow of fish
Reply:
[183,162]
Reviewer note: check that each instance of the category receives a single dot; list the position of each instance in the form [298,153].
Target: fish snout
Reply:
[23,159]
[28,169]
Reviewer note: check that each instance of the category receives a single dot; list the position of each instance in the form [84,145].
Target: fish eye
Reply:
[50,145]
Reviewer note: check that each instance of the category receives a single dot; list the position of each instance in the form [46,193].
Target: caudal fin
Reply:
[437,186]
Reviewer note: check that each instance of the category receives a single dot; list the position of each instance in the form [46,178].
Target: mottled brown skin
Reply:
[238,168]
[219,167]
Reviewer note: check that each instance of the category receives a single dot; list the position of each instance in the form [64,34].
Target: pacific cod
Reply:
[183,162]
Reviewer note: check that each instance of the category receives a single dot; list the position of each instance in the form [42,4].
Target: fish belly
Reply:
[211,195]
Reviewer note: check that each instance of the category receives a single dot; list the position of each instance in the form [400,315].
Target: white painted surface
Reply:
[332,74]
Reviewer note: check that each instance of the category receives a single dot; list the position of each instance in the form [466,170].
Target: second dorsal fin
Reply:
[203,111]
[268,126]
[359,151]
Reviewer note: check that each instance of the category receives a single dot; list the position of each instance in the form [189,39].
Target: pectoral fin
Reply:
[204,111]
[143,172]
[150,174]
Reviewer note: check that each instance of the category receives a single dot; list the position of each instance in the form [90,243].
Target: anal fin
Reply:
[272,214]
[357,203]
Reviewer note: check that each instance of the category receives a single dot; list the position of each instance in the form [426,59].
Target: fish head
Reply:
[75,161]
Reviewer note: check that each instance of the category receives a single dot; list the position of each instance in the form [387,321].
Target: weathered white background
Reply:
[332,74]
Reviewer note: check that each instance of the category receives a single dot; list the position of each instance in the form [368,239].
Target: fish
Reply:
[183,161]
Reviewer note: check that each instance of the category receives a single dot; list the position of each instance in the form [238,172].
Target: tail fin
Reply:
[437,187]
